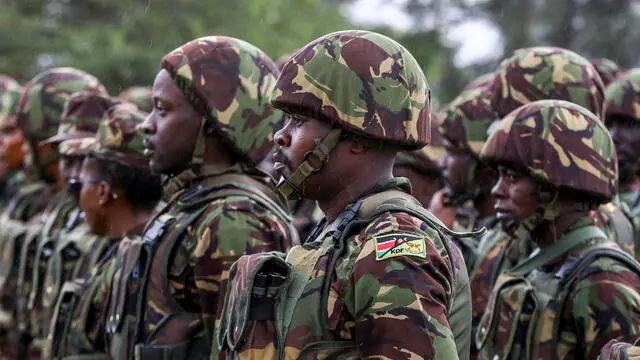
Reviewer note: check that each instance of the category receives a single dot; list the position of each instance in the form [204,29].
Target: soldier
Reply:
[556,162]
[422,167]
[56,257]
[464,128]
[535,74]
[622,117]
[11,141]
[37,117]
[211,124]
[608,70]
[118,193]
[139,95]
[379,276]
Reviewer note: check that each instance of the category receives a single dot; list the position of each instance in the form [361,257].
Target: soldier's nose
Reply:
[148,126]
[282,137]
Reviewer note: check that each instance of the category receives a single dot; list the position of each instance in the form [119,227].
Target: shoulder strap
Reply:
[564,245]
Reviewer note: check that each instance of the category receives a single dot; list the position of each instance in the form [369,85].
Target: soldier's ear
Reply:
[104,193]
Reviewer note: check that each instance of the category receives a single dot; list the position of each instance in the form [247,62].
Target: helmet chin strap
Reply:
[291,187]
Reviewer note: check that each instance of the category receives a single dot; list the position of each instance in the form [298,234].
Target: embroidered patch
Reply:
[390,245]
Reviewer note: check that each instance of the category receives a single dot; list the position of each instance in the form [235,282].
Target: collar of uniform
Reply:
[175,185]
[396,183]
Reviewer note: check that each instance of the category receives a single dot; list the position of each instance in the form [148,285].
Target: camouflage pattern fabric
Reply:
[378,303]
[427,159]
[282,60]
[306,214]
[601,304]
[9,95]
[43,99]
[241,112]
[191,263]
[480,82]
[608,70]
[617,350]
[118,138]
[139,95]
[79,119]
[361,81]
[557,143]
[622,97]
[540,73]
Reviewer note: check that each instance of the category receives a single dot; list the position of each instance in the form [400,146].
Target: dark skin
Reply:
[172,129]
[339,183]
[70,167]
[423,185]
[517,197]
[12,149]
[52,168]
[626,139]
[108,212]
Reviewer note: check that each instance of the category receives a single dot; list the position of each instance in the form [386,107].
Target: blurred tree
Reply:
[122,41]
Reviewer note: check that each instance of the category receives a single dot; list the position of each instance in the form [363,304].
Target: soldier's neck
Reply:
[551,231]
[120,222]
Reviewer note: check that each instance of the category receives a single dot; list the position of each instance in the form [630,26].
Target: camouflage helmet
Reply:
[608,70]
[622,97]
[427,159]
[80,119]
[282,60]
[9,95]
[540,73]
[118,138]
[139,95]
[362,82]
[43,99]
[557,143]
[467,119]
[229,81]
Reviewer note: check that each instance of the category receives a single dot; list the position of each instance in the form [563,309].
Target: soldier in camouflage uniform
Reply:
[540,73]
[55,258]
[608,70]
[37,117]
[557,162]
[11,141]
[211,124]
[422,167]
[118,193]
[139,95]
[466,121]
[379,277]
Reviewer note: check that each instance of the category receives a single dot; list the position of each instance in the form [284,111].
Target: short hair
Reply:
[141,188]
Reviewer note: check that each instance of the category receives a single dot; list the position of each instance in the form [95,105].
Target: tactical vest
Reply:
[141,273]
[522,318]
[27,202]
[265,289]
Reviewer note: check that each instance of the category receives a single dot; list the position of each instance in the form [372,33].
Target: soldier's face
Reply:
[171,128]
[12,149]
[294,140]
[70,167]
[455,164]
[94,194]
[516,197]
[626,139]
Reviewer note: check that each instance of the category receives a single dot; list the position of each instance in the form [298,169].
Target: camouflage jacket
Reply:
[467,219]
[618,350]
[166,287]
[15,225]
[631,198]
[394,286]
[9,186]
[563,309]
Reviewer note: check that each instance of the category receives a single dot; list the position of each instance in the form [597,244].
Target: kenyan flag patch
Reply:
[390,245]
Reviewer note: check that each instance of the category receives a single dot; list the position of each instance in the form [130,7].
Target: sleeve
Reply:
[401,299]
[227,231]
[606,306]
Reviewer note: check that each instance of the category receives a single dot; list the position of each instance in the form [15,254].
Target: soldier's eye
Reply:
[296,121]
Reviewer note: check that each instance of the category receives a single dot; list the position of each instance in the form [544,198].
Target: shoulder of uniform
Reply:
[396,234]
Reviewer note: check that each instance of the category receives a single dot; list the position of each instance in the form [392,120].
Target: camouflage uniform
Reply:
[622,99]
[618,350]
[608,70]
[139,95]
[571,297]
[165,290]
[37,116]
[540,73]
[480,82]
[9,95]
[77,325]
[65,238]
[382,279]
[466,121]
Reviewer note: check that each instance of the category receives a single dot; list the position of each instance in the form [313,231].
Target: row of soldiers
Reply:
[321,208]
